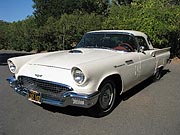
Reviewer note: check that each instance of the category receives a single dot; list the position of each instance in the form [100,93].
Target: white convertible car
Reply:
[104,64]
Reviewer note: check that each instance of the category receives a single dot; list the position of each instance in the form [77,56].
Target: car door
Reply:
[130,70]
[147,60]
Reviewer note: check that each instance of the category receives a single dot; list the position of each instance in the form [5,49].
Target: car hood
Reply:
[70,58]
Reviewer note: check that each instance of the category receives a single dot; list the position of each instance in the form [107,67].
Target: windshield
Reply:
[115,41]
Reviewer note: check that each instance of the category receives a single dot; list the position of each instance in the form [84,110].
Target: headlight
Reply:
[78,75]
[12,67]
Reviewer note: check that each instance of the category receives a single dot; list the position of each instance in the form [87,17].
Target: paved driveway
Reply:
[149,109]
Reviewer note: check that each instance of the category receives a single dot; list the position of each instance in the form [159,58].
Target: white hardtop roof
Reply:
[135,33]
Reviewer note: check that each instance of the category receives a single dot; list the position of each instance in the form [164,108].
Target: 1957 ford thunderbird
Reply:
[104,64]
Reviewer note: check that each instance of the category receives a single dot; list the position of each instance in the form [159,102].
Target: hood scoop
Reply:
[75,51]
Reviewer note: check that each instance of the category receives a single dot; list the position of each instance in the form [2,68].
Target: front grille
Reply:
[46,88]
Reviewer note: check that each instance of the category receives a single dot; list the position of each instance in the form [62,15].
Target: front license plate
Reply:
[34,96]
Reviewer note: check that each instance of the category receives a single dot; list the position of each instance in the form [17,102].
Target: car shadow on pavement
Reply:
[164,72]
[77,111]
[5,56]
[69,110]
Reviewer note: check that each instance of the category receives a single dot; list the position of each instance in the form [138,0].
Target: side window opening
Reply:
[142,42]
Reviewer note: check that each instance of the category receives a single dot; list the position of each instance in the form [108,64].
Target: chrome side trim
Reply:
[117,66]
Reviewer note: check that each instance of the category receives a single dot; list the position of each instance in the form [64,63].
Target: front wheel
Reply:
[106,99]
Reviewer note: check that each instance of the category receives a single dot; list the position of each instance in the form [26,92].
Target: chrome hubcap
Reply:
[106,96]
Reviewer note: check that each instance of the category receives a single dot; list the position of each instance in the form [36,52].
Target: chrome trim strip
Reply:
[117,66]
[49,66]
[75,95]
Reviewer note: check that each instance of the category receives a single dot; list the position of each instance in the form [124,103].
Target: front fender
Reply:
[22,60]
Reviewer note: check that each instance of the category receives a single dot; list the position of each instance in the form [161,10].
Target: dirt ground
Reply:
[175,60]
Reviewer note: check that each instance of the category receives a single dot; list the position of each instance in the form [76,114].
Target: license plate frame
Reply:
[34,96]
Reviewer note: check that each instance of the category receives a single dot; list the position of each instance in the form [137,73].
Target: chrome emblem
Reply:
[37,75]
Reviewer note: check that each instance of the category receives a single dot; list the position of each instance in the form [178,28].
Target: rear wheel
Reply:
[157,75]
[106,99]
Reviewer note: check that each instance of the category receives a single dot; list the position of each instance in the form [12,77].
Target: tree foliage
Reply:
[59,24]
[3,35]
[156,18]
[56,8]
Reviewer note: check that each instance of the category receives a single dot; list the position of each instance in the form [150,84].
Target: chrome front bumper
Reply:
[68,98]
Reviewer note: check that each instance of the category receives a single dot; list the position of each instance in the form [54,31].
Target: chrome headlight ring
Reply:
[12,66]
[78,76]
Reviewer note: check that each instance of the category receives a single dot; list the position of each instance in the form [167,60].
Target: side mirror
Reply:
[141,49]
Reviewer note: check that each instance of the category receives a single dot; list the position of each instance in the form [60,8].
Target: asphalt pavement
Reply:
[148,109]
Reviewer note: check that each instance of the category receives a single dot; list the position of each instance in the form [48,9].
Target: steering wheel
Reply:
[124,47]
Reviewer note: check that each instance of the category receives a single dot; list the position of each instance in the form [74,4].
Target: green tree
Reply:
[159,20]
[55,8]
[21,34]
[3,35]
[71,28]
